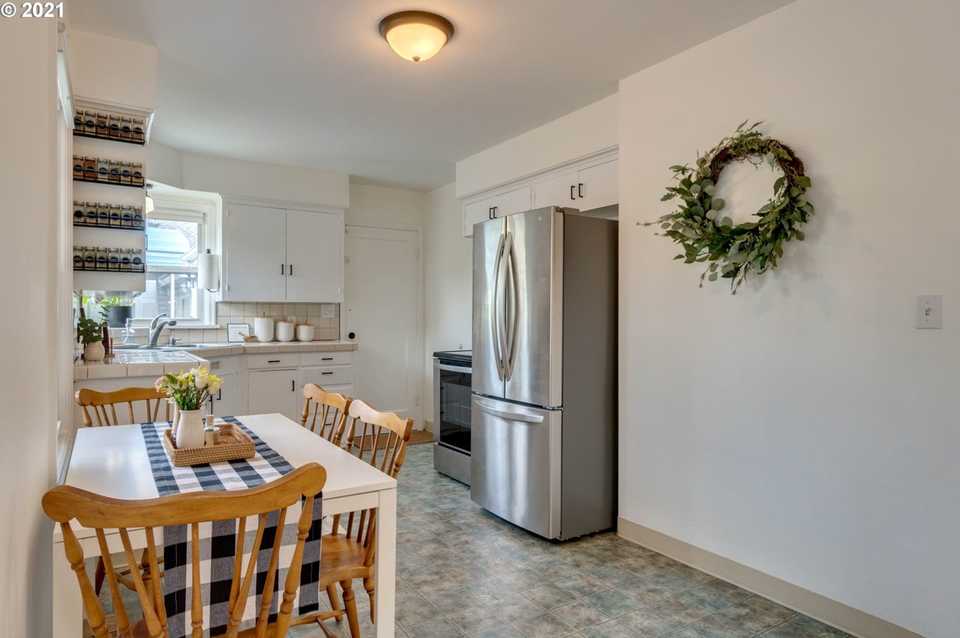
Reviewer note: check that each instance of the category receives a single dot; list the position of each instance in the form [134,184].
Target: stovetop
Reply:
[457,357]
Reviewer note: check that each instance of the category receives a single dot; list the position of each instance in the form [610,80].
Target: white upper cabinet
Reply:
[508,202]
[314,256]
[273,254]
[586,185]
[253,254]
[556,189]
[587,188]
[597,186]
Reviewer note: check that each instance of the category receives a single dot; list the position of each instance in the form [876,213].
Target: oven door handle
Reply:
[448,368]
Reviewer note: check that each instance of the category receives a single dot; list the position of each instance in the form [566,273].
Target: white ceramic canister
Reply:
[284,331]
[305,332]
[263,329]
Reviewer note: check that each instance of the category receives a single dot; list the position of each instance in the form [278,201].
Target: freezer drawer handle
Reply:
[509,415]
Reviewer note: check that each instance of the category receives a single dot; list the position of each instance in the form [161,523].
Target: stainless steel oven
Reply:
[452,378]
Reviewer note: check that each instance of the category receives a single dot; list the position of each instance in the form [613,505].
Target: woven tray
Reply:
[232,444]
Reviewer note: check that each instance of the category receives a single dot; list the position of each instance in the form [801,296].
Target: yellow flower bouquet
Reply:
[189,390]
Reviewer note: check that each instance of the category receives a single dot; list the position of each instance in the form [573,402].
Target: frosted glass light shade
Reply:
[416,35]
[208,272]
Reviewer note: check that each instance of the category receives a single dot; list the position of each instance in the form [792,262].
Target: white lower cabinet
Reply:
[331,378]
[228,401]
[271,391]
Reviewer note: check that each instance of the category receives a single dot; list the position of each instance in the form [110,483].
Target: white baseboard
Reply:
[831,612]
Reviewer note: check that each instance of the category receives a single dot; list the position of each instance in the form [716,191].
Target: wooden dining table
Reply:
[113,461]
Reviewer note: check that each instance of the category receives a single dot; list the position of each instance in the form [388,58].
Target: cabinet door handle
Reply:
[220,394]
[291,270]
[490,212]
[495,211]
[273,361]
[326,358]
[293,385]
[283,269]
[328,372]
[572,198]
[580,190]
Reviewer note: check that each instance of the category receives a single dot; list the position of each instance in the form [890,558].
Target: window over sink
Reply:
[174,242]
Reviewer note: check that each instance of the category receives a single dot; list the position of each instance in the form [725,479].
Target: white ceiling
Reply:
[311,82]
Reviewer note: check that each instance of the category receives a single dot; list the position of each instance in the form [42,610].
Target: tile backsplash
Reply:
[325,317]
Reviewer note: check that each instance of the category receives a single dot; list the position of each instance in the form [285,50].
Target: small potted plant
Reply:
[115,310]
[189,390]
[90,333]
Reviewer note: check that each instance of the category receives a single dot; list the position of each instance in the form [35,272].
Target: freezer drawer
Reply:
[515,470]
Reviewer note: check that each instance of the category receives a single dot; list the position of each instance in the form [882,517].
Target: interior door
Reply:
[534,360]
[487,373]
[314,256]
[515,465]
[253,253]
[383,312]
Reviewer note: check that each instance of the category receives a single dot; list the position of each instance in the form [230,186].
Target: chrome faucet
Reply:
[157,326]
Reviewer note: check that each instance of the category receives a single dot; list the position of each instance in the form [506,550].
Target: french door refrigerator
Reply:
[543,412]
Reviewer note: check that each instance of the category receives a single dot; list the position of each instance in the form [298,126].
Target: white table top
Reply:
[112,460]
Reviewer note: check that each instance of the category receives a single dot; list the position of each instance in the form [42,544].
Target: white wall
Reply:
[28,367]
[804,427]
[113,70]
[575,135]
[164,164]
[386,207]
[448,256]
[267,182]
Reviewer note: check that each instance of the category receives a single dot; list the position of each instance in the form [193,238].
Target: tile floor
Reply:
[465,573]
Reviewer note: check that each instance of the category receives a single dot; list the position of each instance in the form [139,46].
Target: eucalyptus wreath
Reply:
[707,235]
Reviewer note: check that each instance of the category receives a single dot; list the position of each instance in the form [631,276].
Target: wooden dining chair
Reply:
[63,504]
[104,406]
[380,439]
[325,411]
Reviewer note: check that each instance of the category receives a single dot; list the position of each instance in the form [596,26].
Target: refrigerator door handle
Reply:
[495,323]
[509,415]
[512,311]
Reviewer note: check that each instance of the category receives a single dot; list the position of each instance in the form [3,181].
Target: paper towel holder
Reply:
[208,272]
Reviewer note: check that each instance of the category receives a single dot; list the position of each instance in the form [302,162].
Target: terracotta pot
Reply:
[93,351]
[190,429]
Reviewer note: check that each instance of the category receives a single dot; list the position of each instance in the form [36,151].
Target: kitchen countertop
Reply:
[153,363]
[136,363]
[227,349]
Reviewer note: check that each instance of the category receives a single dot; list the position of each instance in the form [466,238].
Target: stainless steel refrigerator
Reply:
[544,406]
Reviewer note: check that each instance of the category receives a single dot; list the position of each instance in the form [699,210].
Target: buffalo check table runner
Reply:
[218,539]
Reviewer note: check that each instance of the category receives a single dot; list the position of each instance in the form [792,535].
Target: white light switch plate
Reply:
[328,311]
[930,312]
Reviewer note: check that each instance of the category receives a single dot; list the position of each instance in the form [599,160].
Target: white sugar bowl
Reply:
[284,331]
[305,332]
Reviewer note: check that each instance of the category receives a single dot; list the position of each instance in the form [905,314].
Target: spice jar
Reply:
[139,131]
[78,257]
[138,218]
[103,259]
[137,174]
[126,218]
[89,258]
[77,167]
[103,214]
[78,212]
[103,125]
[125,260]
[90,214]
[114,121]
[126,176]
[136,260]
[89,123]
[114,172]
[116,220]
[126,130]
[114,256]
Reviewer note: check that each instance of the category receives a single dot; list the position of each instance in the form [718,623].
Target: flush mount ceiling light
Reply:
[416,35]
